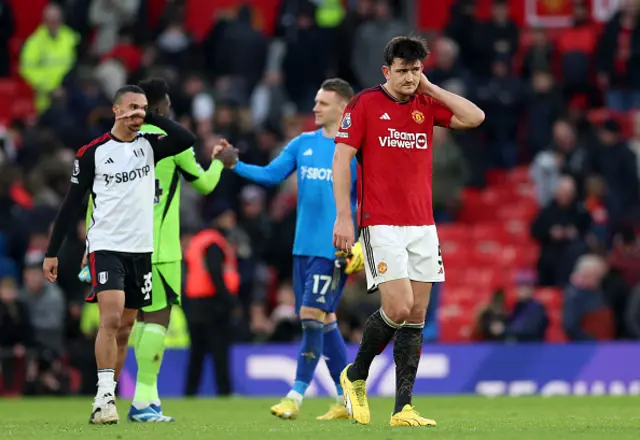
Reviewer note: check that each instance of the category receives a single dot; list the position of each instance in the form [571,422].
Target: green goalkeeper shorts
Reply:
[167,285]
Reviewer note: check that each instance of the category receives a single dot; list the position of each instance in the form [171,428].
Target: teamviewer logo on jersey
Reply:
[403,139]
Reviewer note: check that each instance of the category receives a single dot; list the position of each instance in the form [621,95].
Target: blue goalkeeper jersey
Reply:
[311,154]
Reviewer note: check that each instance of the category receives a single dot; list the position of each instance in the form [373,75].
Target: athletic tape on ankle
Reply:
[414,324]
[388,320]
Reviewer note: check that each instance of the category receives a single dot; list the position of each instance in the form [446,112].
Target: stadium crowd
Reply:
[538,90]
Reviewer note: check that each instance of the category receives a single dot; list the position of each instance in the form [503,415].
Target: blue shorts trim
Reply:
[317,283]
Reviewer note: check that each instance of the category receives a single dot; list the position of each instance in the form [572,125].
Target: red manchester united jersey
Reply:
[393,139]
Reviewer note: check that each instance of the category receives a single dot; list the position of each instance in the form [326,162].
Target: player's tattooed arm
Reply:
[465,113]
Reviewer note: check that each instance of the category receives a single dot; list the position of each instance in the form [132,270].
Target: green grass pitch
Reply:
[478,418]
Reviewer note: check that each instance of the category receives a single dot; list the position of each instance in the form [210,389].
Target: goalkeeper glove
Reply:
[353,261]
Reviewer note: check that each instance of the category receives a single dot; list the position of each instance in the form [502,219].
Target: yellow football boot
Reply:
[336,412]
[355,398]
[285,409]
[410,417]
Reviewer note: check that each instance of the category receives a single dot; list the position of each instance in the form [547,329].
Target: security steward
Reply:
[211,286]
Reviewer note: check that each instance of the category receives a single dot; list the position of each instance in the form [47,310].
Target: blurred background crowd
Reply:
[537,211]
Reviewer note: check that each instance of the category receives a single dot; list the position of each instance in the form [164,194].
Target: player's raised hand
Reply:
[138,113]
[343,233]
[424,88]
[50,268]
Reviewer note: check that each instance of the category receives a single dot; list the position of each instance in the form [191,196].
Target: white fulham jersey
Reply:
[121,179]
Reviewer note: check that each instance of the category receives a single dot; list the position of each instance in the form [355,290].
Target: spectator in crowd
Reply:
[625,255]
[212,282]
[46,307]
[617,164]
[108,17]
[306,60]
[463,28]
[528,320]
[48,55]
[544,107]
[491,323]
[369,43]
[564,156]
[618,58]
[450,174]
[449,68]
[496,38]
[560,228]
[16,335]
[586,316]
[501,96]
[345,40]
[539,55]
[234,49]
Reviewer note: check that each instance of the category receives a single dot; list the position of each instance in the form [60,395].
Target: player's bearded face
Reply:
[403,76]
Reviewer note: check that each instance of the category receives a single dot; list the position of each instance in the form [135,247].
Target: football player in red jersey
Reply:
[389,129]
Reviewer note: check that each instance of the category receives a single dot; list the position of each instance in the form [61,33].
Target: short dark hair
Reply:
[156,90]
[126,89]
[407,49]
[340,86]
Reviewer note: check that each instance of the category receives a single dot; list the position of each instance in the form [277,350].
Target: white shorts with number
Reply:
[395,252]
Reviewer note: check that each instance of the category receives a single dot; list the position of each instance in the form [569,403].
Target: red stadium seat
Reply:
[456,329]
[454,293]
[480,277]
[520,257]
[489,231]
[23,108]
[454,254]
[496,177]
[9,87]
[453,232]
[555,333]
[519,175]
[478,206]
[517,231]
[486,253]
[550,297]
[525,211]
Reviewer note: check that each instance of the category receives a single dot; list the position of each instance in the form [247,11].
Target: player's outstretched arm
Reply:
[278,169]
[343,232]
[202,181]
[177,137]
[465,113]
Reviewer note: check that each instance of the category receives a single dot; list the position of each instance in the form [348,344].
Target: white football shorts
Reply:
[395,252]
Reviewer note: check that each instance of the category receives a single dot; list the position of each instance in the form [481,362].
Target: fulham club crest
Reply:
[346,122]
